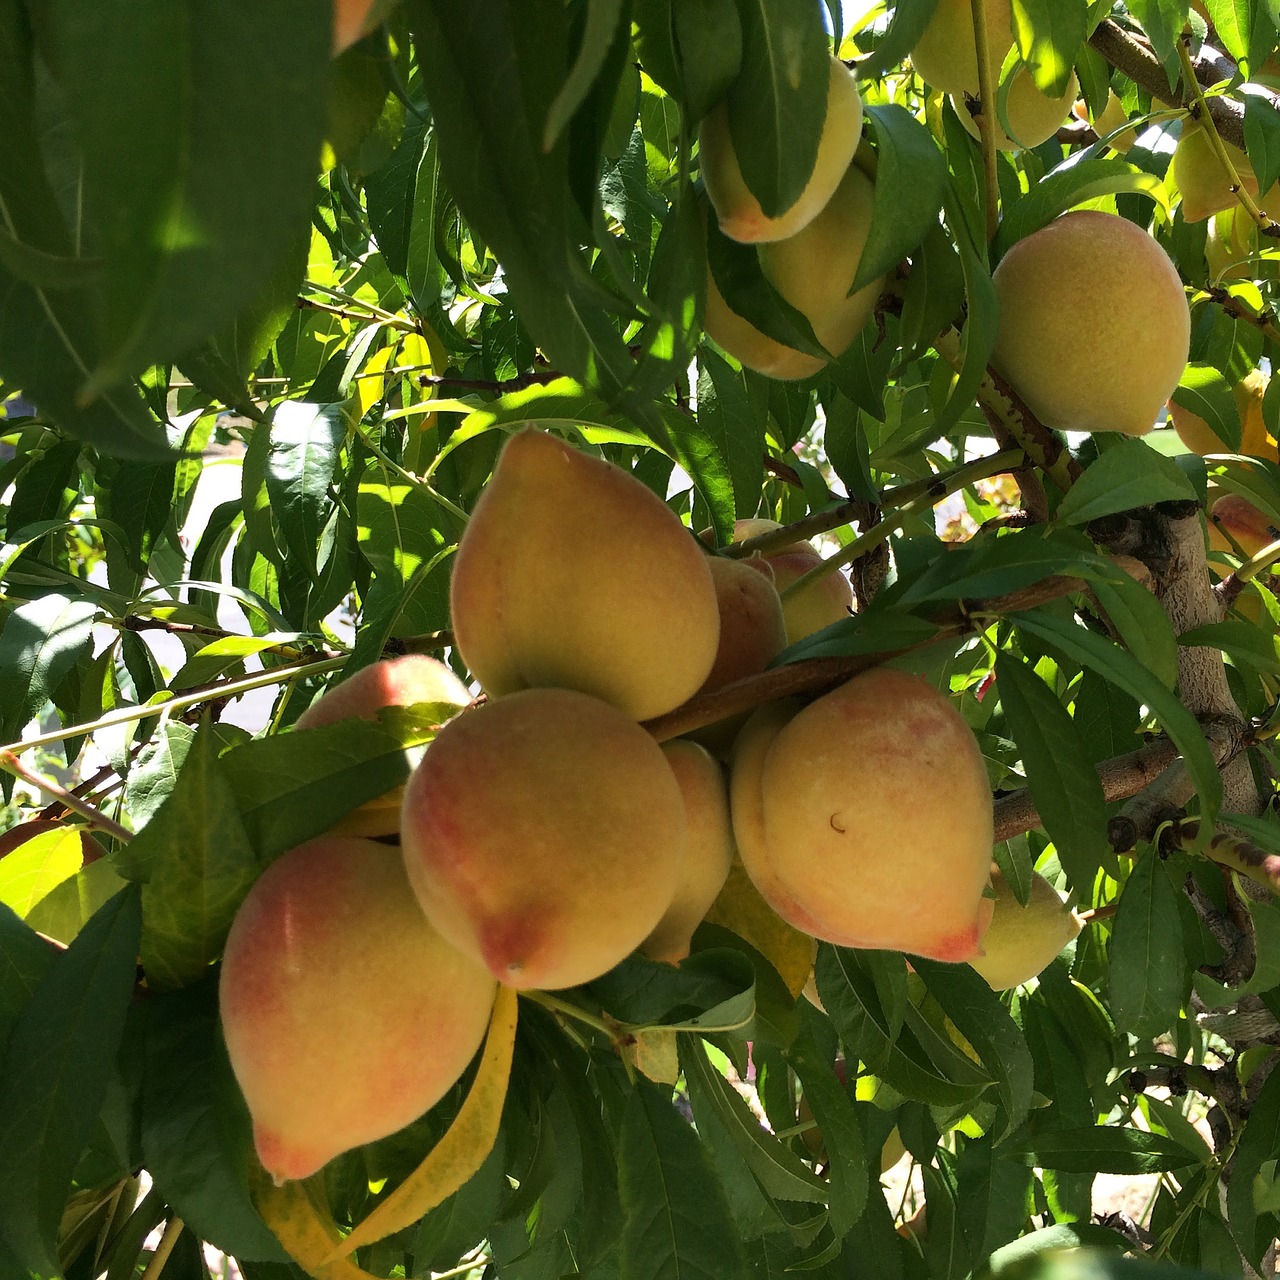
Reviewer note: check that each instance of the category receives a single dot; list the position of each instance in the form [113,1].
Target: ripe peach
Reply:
[709,854]
[752,631]
[544,835]
[737,209]
[1033,116]
[865,818]
[346,1014]
[352,19]
[572,573]
[1094,325]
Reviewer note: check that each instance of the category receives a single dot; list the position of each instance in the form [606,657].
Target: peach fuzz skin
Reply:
[544,835]
[346,1014]
[865,818]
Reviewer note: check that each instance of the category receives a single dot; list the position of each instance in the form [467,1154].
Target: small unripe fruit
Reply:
[1022,941]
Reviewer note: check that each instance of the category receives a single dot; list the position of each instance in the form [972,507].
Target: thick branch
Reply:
[1121,777]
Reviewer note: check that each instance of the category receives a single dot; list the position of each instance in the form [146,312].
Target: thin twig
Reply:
[172,1230]
[95,817]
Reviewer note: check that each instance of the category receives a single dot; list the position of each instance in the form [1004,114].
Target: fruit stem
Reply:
[555,1005]
[937,489]
[1200,110]
[95,817]
[212,693]
[986,121]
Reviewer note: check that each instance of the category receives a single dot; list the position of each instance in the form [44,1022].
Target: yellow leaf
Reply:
[652,1051]
[742,910]
[466,1143]
[307,1232]
[369,387]
[38,866]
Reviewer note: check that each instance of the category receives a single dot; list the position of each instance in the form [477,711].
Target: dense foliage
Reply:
[344,281]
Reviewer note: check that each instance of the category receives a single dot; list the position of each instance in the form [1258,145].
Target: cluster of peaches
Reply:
[545,834]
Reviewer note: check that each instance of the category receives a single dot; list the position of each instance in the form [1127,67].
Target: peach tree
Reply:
[269,311]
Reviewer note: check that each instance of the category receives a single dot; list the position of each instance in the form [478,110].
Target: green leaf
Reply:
[602,18]
[910,184]
[37,866]
[1061,778]
[1147,968]
[730,440]
[907,22]
[199,866]
[293,786]
[195,1131]
[1122,669]
[1102,1149]
[1075,181]
[1205,392]
[200,156]
[55,1077]
[709,45]
[306,441]
[676,1220]
[1141,624]
[24,958]
[46,270]
[1129,475]
[841,1134]
[64,911]
[1162,20]
[40,642]
[1247,644]
[780,1172]
[515,196]
[1049,35]
[1259,1143]
[778,103]
[1261,127]
[1233,22]
[978,1015]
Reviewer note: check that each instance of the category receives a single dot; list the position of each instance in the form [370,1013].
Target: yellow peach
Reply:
[544,835]
[346,1014]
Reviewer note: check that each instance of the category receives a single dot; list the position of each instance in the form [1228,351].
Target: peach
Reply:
[752,631]
[544,835]
[865,818]
[346,1014]
[1250,528]
[828,600]
[571,573]
[1255,439]
[709,854]
[394,682]
[737,209]
[750,347]
[814,269]
[1201,177]
[1094,326]
[1022,941]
